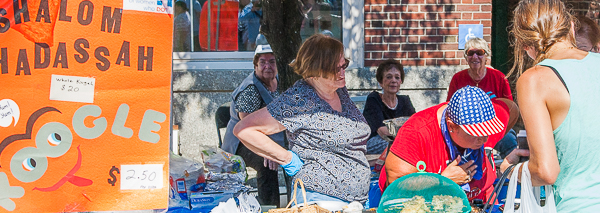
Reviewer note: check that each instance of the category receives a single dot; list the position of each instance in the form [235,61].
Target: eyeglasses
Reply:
[346,63]
[479,52]
[263,63]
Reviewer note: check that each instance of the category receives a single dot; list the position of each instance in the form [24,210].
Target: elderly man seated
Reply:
[449,138]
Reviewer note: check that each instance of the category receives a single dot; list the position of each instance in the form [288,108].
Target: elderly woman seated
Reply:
[327,134]
[254,93]
[490,80]
[386,105]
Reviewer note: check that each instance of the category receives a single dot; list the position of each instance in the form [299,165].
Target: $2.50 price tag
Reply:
[141,176]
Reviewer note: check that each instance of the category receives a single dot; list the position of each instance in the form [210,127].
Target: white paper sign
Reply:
[9,110]
[72,88]
[141,176]
[155,6]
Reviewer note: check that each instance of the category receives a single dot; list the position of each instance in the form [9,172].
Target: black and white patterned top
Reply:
[332,144]
[249,99]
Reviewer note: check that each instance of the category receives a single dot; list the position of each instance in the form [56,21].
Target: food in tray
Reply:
[415,205]
[439,203]
[447,203]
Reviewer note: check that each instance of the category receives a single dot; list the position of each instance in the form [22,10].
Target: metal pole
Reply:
[208,28]
[218,20]
[192,25]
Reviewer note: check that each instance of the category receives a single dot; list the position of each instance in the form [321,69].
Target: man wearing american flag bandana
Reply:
[450,139]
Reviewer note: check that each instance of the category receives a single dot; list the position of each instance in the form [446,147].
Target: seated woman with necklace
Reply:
[386,105]
[490,80]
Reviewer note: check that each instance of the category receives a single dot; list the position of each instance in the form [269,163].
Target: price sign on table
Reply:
[141,176]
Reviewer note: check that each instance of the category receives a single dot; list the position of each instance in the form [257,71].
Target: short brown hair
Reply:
[387,65]
[318,56]
[588,34]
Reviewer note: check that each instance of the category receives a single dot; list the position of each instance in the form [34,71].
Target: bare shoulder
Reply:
[539,77]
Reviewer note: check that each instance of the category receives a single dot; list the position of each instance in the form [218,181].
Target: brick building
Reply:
[425,32]
[421,32]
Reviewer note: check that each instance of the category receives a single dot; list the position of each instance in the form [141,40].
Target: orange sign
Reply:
[85,90]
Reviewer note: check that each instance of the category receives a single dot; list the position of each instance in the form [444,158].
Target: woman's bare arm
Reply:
[253,131]
[536,88]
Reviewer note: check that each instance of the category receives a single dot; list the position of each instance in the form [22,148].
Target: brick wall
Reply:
[421,32]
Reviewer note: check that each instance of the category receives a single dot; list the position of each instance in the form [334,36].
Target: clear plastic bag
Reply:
[185,175]
[248,204]
[226,172]
[218,161]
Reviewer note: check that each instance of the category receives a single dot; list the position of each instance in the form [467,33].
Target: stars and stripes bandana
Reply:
[472,110]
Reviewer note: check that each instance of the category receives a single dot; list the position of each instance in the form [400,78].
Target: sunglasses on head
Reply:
[479,52]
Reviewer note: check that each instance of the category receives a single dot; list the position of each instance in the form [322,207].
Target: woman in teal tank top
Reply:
[559,99]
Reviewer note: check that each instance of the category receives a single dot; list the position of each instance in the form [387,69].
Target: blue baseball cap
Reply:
[472,110]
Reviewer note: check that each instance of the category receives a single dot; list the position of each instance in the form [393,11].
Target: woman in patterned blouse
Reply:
[327,134]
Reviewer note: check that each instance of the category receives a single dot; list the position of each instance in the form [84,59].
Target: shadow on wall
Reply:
[427,86]
[353,24]
[196,96]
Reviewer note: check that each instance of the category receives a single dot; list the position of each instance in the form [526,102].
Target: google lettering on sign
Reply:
[85,105]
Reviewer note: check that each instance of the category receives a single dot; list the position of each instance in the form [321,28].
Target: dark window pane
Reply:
[213,25]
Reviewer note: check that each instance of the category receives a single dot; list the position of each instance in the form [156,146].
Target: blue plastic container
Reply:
[374,195]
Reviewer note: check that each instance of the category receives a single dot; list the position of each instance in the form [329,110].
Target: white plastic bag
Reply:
[185,174]
[530,196]
[248,204]
[226,207]
[224,166]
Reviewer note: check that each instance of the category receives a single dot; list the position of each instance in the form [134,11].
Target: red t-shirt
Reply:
[494,81]
[420,139]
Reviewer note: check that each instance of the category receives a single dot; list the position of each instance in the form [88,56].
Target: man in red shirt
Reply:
[449,138]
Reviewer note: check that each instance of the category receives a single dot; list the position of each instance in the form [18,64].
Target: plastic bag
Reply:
[185,176]
[248,204]
[225,169]
[530,196]
[226,207]
[218,161]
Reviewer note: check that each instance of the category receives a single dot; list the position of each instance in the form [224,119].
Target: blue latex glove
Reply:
[492,95]
[293,166]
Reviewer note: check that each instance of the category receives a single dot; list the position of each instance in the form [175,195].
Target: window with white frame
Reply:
[222,34]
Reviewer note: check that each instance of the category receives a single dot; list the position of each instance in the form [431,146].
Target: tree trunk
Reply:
[280,25]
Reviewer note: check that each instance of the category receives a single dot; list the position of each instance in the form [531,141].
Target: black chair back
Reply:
[221,119]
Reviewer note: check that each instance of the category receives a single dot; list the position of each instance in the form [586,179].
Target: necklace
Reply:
[395,103]
[477,82]
[473,76]
[555,49]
